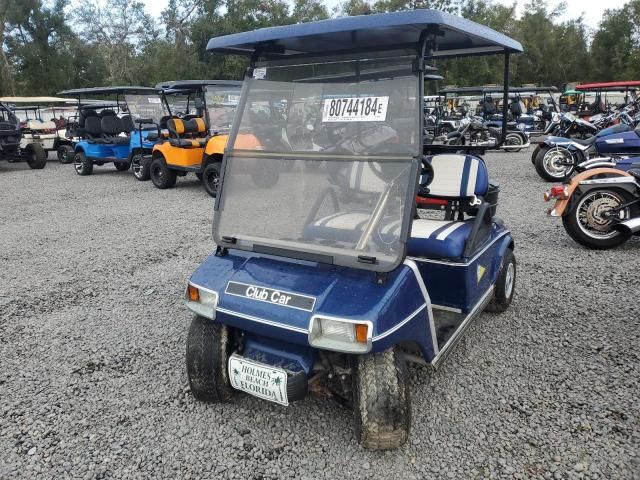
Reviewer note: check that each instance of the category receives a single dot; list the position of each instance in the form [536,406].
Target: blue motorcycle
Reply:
[330,278]
[556,158]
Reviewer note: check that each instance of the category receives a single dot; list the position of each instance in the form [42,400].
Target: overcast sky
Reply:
[592,9]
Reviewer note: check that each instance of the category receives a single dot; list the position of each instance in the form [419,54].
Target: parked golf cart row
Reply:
[162,133]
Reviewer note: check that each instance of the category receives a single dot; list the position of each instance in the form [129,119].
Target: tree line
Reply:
[51,45]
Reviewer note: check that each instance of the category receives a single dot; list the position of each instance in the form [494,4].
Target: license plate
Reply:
[260,380]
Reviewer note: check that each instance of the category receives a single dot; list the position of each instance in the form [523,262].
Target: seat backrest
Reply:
[178,127]
[107,113]
[126,122]
[84,114]
[458,176]
[93,125]
[111,125]
[361,178]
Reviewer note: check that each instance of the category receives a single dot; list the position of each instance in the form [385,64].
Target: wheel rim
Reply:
[513,140]
[555,163]
[590,214]
[212,178]
[77,164]
[136,167]
[157,172]
[509,280]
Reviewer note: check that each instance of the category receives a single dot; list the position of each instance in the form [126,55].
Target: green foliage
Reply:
[48,45]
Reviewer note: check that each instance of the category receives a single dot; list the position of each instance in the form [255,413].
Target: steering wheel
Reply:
[426,175]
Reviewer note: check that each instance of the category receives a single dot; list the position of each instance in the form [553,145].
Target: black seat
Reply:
[127,124]
[187,133]
[586,142]
[111,128]
[93,129]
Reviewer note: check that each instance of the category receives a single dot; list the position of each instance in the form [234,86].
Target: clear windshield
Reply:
[180,104]
[146,106]
[324,164]
[222,103]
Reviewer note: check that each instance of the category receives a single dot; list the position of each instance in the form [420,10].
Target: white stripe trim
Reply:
[473,176]
[460,264]
[447,231]
[399,325]
[432,326]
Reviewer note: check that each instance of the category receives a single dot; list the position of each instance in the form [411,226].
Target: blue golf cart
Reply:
[370,249]
[116,125]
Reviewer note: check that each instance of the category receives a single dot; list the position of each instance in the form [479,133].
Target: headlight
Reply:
[201,301]
[340,335]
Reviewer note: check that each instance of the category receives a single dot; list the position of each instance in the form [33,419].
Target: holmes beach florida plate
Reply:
[258,379]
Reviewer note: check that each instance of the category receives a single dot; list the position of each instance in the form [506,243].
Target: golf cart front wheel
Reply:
[65,154]
[37,158]
[141,168]
[211,178]
[208,350]
[505,285]
[82,164]
[381,399]
[161,175]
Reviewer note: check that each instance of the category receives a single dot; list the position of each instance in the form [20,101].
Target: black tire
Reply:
[208,350]
[82,164]
[546,159]
[122,166]
[505,284]
[515,139]
[211,178]
[199,176]
[141,167]
[534,154]
[161,175]
[381,399]
[37,158]
[65,154]
[610,238]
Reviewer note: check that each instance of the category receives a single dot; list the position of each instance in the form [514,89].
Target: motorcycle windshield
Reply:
[323,164]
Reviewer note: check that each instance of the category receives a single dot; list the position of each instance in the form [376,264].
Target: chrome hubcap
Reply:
[508,287]
[555,163]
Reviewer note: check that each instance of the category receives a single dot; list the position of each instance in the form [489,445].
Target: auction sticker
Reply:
[258,379]
[355,109]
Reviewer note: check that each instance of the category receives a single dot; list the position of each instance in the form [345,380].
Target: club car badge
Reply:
[270,295]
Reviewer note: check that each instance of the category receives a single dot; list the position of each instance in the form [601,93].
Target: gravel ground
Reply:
[92,342]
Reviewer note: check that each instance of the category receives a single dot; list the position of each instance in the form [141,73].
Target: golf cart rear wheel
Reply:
[65,154]
[161,175]
[211,178]
[141,167]
[82,164]
[208,350]
[381,399]
[37,158]
[122,166]
[266,178]
[505,285]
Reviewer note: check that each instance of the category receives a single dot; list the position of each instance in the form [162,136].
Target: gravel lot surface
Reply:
[92,342]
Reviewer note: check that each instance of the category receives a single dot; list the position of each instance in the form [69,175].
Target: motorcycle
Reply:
[474,132]
[600,207]
[556,158]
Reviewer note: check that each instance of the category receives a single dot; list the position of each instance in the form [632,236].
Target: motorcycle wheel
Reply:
[550,164]
[534,154]
[586,223]
[513,139]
